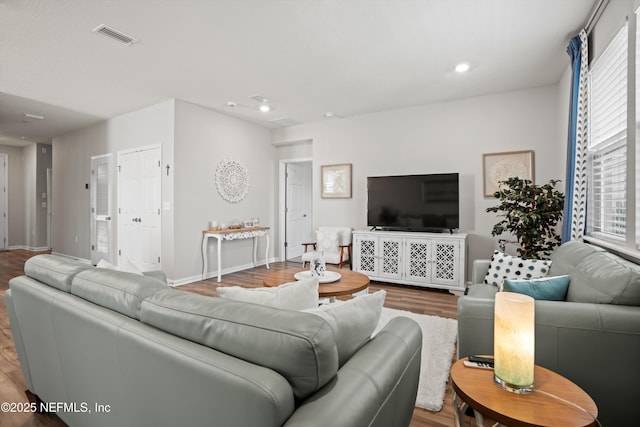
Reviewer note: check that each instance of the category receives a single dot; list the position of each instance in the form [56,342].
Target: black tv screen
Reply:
[413,202]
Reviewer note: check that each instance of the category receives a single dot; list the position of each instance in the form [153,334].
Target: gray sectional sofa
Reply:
[108,348]
[592,338]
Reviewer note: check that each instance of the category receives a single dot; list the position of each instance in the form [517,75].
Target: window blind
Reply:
[607,198]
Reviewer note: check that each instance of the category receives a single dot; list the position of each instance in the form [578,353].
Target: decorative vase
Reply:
[318,267]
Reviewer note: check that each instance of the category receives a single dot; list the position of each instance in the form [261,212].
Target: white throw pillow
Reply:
[352,321]
[291,296]
[505,266]
[103,263]
[130,267]
[328,241]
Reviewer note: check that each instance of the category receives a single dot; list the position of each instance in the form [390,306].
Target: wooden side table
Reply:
[555,401]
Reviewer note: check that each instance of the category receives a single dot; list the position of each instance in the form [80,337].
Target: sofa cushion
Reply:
[292,296]
[117,290]
[352,321]
[513,267]
[567,256]
[604,278]
[54,270]
[544,288]
[299,346]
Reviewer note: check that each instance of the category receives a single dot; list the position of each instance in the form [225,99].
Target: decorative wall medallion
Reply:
[232,180]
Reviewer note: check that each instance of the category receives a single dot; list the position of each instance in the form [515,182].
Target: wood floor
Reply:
[12,386]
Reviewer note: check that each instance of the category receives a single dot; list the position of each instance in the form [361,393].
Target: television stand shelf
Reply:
[434,260]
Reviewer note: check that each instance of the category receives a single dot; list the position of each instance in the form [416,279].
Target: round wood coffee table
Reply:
[350,282]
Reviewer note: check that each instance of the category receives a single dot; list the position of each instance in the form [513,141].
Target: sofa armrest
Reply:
[376,387]
[479,270]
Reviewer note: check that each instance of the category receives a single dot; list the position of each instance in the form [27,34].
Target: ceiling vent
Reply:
[259,98]
[114,34]
[284,122]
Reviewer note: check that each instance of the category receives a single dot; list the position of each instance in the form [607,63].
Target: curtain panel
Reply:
[575,203]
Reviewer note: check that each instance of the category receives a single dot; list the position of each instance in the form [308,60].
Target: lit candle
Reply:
[514,341]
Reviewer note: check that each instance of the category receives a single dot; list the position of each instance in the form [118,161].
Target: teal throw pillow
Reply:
[545,288]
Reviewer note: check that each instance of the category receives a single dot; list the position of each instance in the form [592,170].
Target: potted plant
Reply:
[530,212]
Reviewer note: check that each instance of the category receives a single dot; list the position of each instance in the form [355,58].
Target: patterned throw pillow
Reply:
[327,241]
[513,267]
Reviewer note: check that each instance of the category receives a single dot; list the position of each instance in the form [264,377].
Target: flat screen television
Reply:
[413,202]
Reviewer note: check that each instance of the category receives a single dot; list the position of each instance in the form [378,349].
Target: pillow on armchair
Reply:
[327,241]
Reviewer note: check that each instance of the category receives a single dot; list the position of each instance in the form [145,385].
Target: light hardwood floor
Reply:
[12,386]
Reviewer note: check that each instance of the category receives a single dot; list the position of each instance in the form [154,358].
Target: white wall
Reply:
[72,170]
[203,138]
[437,138]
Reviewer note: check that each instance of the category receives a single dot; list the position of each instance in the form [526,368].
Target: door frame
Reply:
[109,157]
[5,195]
[282,202]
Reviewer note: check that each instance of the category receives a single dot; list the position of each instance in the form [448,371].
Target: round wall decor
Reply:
[232,180]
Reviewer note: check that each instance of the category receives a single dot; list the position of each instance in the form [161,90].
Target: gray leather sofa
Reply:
[595,344]
[108,348]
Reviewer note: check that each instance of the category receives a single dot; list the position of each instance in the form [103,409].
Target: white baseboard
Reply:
[28,248]
[214,274]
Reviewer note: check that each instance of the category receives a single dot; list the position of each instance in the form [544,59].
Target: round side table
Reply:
[555,401]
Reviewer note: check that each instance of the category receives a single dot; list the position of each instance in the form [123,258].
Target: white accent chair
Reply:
[333,245]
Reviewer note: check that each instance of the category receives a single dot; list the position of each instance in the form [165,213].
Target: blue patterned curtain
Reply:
[576,173]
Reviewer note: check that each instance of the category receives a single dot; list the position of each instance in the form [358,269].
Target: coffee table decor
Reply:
[327,277]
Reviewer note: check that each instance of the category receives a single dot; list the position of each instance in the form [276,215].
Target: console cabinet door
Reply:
[419,260]
[446,262]
[365,256]
[391,259]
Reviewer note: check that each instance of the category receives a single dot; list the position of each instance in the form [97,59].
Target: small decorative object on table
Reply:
[318,267]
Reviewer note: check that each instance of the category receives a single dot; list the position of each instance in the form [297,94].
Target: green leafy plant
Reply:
[530,212]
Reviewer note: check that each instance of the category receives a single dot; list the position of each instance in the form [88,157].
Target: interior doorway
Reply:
[296,183]
[139,215]
[101,208]
[4,203]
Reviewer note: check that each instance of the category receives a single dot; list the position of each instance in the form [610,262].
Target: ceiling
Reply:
[307,57]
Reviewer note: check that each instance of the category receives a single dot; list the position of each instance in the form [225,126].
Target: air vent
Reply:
[284,121]
[114,34]
[259,98]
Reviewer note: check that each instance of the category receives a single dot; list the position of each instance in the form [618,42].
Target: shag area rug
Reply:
[438,340]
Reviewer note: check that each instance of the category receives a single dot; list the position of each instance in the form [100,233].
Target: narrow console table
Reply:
[233,234]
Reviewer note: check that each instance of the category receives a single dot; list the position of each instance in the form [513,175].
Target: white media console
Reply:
[435,260]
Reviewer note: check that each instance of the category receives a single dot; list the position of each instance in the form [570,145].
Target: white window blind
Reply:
[607,195]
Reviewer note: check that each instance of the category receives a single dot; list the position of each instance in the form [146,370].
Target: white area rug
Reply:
[438,339]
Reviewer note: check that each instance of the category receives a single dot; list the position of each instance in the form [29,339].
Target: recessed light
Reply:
[265,108]
[231,104]
[462,67]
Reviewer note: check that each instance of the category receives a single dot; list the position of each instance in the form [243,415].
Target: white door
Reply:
[101,209]
[4,204]
[298,208]
[139,198]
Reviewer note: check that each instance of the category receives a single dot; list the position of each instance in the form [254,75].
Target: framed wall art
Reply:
[501,166]
[336,181]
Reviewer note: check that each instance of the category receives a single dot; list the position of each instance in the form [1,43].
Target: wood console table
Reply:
[233,234]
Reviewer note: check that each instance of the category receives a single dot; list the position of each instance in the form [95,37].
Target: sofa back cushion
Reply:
[604,278]
[597,276]
[299,346]
[117,290]
[53,270]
